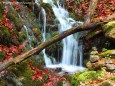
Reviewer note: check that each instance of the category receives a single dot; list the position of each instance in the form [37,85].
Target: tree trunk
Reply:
[89,15]
[38,49]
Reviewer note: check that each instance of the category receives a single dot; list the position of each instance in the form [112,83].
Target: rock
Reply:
[94,52]
[92,65]
[94,58]
[89,65]
[109,30]
[113,53]
[94,48]
[95,65]
[106,83]
[110,67]
[58,69]
[108,61]
[66,83]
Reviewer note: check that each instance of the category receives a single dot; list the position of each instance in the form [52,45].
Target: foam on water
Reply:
[67,68]
[72,50]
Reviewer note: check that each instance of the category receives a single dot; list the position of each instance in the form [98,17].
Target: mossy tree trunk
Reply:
[38,49]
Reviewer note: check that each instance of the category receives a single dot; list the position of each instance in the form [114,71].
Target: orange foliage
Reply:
[103,9]
[38,74]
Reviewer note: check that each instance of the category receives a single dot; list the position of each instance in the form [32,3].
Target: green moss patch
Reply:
[86,76]
[109,26]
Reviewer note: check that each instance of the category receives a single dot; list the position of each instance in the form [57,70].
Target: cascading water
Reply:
[47,60]
[29,33]
[71,47]
[43,15]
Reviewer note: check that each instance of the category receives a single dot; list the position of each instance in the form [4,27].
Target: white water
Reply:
[47,60]
[72,51]
[43,15]
[71,47]
[29,33]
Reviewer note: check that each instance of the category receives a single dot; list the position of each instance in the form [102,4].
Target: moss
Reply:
[5,35]
[1,9]
[23,70]
[54,33]
[2,83]
[36,34]
[18,23]
[68,77]
[40,60]
[112,78]
[45,78]
[60,83]
[46,5]
[92,33]
[21,37]
[5,31]
[86,76]
[108,82]
[109,26]
[49,11]
[13,16]
[2,55]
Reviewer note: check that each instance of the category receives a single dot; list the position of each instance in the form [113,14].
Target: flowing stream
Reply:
[47,60]
[72,49]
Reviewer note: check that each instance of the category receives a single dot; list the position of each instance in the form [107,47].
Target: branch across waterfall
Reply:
[56,38]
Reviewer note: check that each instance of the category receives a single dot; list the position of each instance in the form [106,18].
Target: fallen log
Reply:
[56,38]
[97,31]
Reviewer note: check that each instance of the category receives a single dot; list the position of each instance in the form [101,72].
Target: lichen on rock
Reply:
[109,30]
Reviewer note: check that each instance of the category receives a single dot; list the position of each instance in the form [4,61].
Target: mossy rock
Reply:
[86,76]
[109,30]
[22,70]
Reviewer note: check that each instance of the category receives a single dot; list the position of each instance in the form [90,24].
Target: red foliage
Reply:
[11,50]
[17,7]
[6,20]
[103,9]
[36,29]
[38,74]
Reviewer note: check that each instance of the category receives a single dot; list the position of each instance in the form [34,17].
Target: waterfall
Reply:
[29,33]
[43,16]
[46,58]
[72,50]
[70,44]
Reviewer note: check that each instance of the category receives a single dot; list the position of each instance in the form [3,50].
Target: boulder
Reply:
[109,30]
[110,67]
[94,58]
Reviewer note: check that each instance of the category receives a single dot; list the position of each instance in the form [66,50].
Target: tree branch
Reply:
[91,10]
[38,49]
